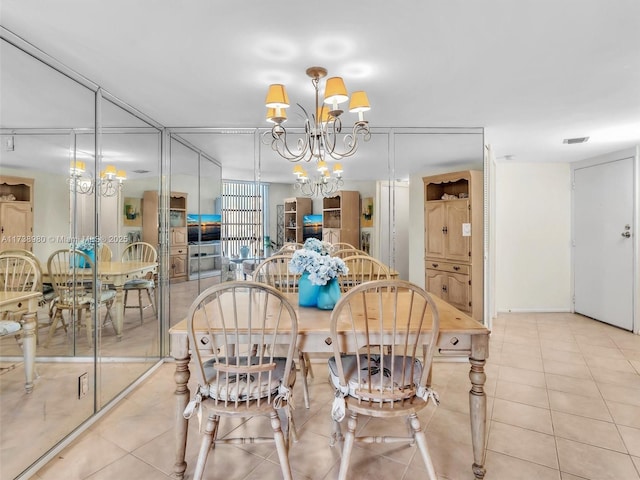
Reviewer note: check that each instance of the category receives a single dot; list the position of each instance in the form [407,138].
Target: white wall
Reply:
[533,237]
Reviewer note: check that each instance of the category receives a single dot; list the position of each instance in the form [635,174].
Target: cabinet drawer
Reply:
[178,250]
[447,267]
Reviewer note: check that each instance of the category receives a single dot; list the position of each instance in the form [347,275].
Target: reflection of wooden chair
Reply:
[371,382]
[46,288]
[71,273]
[140,252]
[105,254]
[362,268]
[234,330]
[274,271]
[18,273]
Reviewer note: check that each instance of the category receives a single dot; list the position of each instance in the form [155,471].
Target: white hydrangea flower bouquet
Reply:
[315,260]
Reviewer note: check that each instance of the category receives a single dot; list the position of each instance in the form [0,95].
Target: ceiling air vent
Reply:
[141,171]
[571,141]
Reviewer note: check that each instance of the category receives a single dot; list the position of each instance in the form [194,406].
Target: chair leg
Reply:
[305,386]
[208,444]
[421,440]
[140,305]
[281,446]
[152,301]
[349,439]
[336,433]
[108,317]
[87,325]
[57,316]
[308,362]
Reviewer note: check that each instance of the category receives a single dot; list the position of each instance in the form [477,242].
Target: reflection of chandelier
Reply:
[109,184]
[321,185]
[321,131]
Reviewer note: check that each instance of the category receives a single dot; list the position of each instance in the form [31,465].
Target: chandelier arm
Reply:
[350,141]
[279,144]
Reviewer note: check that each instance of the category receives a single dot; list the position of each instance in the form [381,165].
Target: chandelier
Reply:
[322,137]
[321,185]
[108,185]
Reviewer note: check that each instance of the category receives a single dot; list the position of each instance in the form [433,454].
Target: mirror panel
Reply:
[44,114]
[131,149]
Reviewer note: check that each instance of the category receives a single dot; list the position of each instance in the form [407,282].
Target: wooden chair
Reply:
[234,330]
[71,273]
[140,252]
[347,252]
[362,268]
[342,246]
[371,382]
[288,248]
[18,273]
[274,271]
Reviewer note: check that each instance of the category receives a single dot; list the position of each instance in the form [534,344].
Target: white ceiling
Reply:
[531,72]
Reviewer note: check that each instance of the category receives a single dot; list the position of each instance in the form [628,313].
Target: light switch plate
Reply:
[466,229]
[83,385]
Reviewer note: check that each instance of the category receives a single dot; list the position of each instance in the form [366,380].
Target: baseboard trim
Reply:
[536,310]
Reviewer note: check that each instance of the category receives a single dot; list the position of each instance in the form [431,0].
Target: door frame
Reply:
[599,160]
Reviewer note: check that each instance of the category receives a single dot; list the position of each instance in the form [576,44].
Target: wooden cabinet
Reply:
[453,239]
[294,211]
[178,236]
[16,213]
[341,218]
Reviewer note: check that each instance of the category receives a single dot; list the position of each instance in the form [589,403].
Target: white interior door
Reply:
[603,245]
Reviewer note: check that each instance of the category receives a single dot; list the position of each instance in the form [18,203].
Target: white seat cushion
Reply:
[106,295]
[254,386]
[139,283]
[350,365]
[7,327]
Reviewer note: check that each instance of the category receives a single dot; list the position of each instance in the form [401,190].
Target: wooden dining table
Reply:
[27,302]
[459,335]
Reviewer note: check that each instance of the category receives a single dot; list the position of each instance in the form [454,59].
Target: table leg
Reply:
[118,305]
[478,402]
[181,377]
[29,348]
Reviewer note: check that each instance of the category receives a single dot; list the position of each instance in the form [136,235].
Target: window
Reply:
[245,217]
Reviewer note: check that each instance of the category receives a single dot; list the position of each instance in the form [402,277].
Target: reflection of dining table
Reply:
[24,302]
[459,335]
[117,274]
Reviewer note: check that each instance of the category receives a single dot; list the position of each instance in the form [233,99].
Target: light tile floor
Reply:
[563,404]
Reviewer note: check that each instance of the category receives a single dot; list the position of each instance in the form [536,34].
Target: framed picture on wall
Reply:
[367,213]
[132,212]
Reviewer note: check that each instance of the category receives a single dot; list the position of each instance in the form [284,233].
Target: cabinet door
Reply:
[457,247]
[458,291]
[435,281]
[17,225]
[178,265]
[179,236]
[435,225]
[331,235]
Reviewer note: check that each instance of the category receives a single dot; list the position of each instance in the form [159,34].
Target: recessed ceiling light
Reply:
[571,141]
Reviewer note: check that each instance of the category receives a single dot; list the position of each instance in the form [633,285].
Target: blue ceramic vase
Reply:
[307,291]
[81,261]
[328,295]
